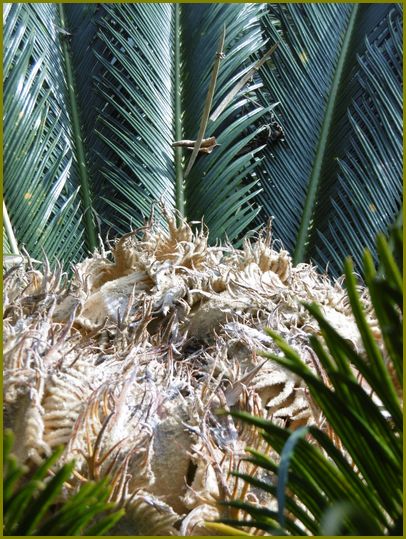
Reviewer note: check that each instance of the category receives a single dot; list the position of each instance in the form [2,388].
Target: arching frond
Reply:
[138,81]
[41,185]
[217,187]
[336,180]
[95,95]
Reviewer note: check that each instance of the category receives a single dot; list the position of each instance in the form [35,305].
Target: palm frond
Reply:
[368,194]
[137,119]
[218,187]
[95,94]
[138,81]
[32,504]
[136,85]
[336,180]
[41,179]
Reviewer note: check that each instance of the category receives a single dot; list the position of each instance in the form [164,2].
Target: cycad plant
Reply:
[105,108]
[33,504]
[95,95]
[345,479]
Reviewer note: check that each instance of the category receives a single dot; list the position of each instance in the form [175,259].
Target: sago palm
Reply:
[95,95]
[128,361]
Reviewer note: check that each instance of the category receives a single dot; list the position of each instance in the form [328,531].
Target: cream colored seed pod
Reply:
[128,366]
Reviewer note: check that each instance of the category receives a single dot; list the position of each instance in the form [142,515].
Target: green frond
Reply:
[219,188]
[137,120]
[95,95]
[33,503]
[337,179]
[40,188]
[147,97]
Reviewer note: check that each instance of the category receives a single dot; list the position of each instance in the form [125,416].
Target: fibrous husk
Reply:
[129,363]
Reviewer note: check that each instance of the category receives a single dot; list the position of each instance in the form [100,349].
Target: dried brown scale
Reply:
[128,366]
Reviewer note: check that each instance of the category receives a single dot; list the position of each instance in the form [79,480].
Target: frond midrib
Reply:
[325,137]
[179,183]
[85,189]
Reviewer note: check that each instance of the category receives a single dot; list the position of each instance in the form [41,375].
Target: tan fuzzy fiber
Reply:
[127,364]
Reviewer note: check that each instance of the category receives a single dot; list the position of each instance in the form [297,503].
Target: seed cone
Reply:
[128,364]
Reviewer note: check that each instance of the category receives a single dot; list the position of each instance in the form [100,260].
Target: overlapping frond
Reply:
[134,84]
[40,188]
[336,180]
[137,80]
[217,188]
[368,193]
[95,95]
[299,78]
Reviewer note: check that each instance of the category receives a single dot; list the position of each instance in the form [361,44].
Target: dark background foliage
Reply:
[94,95]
